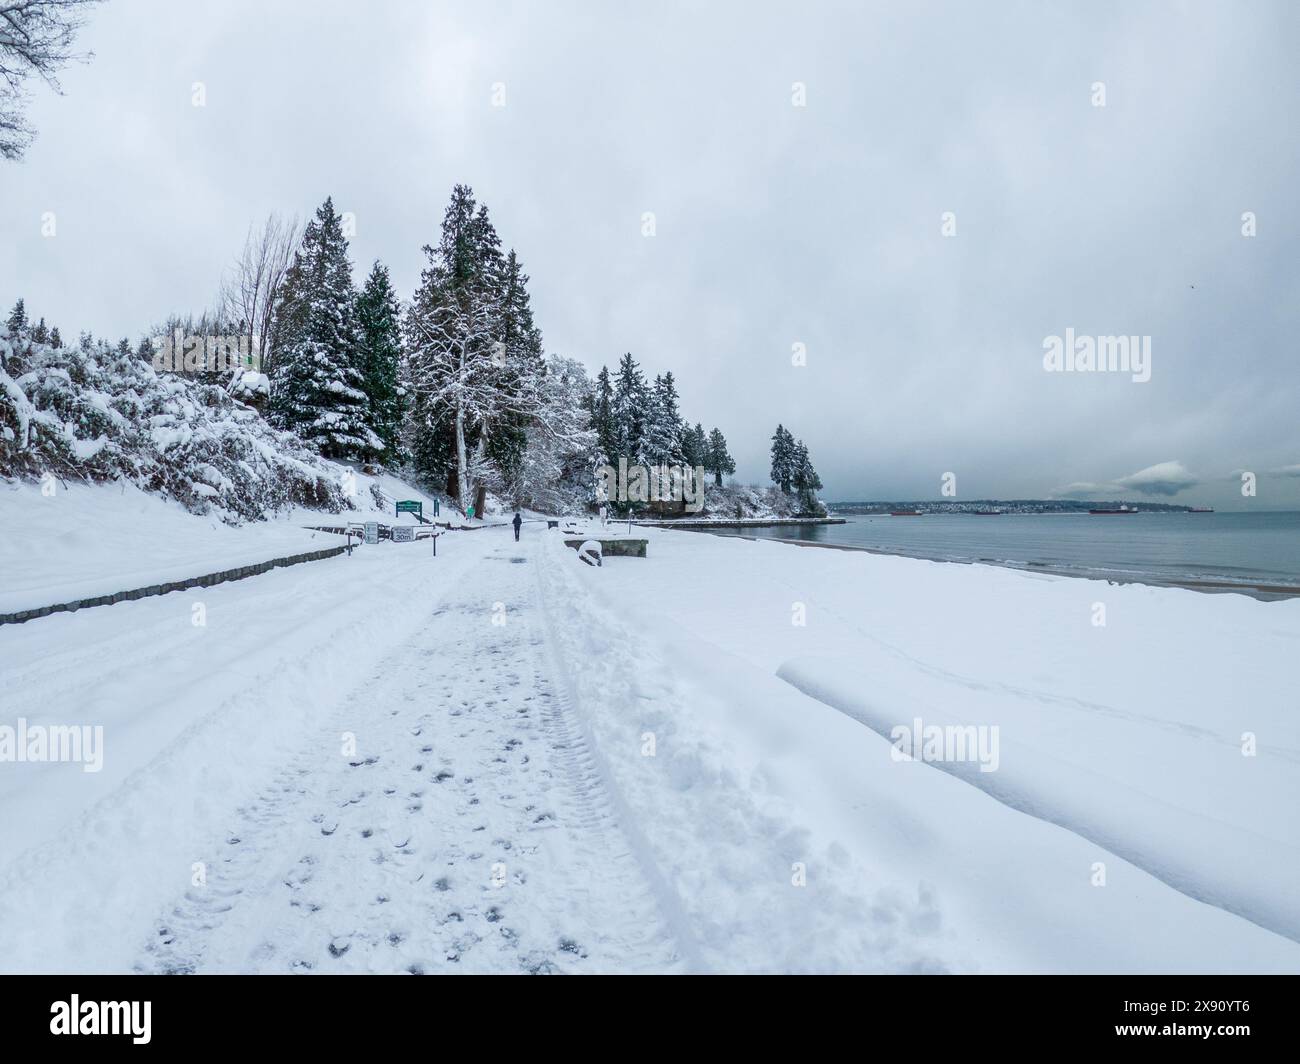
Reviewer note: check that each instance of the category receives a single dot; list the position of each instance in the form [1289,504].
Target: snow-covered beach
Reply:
[501,759]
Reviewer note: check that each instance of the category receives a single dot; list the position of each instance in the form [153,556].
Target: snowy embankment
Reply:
[98,539]
[1123,742]
[75,541]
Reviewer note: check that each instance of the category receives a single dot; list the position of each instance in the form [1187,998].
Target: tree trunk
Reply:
[479,491]
[462,472]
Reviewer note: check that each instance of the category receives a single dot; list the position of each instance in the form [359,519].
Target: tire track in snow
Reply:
[469,832]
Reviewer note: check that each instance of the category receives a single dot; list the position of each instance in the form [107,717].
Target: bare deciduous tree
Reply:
[249,291]
[35,39]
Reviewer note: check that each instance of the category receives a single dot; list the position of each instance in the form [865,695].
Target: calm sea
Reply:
[1255,548]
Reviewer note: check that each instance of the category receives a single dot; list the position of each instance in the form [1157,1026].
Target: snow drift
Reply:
[1088,788]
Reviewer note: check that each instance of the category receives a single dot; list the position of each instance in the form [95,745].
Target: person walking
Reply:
[517,522]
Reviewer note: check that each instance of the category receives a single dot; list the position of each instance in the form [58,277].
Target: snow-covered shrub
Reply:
[738,502]
[98,414]
[253,388]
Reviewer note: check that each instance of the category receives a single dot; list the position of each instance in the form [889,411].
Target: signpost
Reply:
[410,506]
[372,531]
[403,534]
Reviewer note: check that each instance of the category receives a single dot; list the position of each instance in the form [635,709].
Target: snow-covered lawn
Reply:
[562,768]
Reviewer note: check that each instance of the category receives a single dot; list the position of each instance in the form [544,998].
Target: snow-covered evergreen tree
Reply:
[695,446]
[664,429]
[520,366]
[55,339]
[804,479]
[18,317]
[473,362]
[600,405]
[449,370]
[628,412]
[379,343]
[783,458]
[718,459]
[40,334]
[317,391]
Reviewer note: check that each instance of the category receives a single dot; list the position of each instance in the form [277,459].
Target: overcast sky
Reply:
[774,224]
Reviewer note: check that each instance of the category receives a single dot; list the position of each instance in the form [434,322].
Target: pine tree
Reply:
[55,339]
[41,334]
[18,317]
[379,346]
[782,458]
[804,479]
[719,463]
[469,250]
[124,347]
[664,430]
[601,408]
[695,446]
[436,428]
[520,369]
[317,390]
[474,355]
[628,412]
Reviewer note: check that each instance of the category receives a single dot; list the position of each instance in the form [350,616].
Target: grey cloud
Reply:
[775,224]
[1164,478]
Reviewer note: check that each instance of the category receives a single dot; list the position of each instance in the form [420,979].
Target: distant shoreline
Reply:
[735,522]
[1259,591]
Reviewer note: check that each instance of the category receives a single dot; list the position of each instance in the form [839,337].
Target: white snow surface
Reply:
[563,768]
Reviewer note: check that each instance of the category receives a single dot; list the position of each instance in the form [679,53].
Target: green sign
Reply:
[410,506]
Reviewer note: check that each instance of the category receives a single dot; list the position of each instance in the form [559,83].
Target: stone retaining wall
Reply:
[175,585]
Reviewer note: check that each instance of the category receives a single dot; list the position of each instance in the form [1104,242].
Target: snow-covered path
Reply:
[466,828]
[365,765]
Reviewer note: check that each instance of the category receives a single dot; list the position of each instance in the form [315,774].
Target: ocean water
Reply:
[1247,548]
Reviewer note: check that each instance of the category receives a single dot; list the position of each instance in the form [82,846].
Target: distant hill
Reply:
[1010,506]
